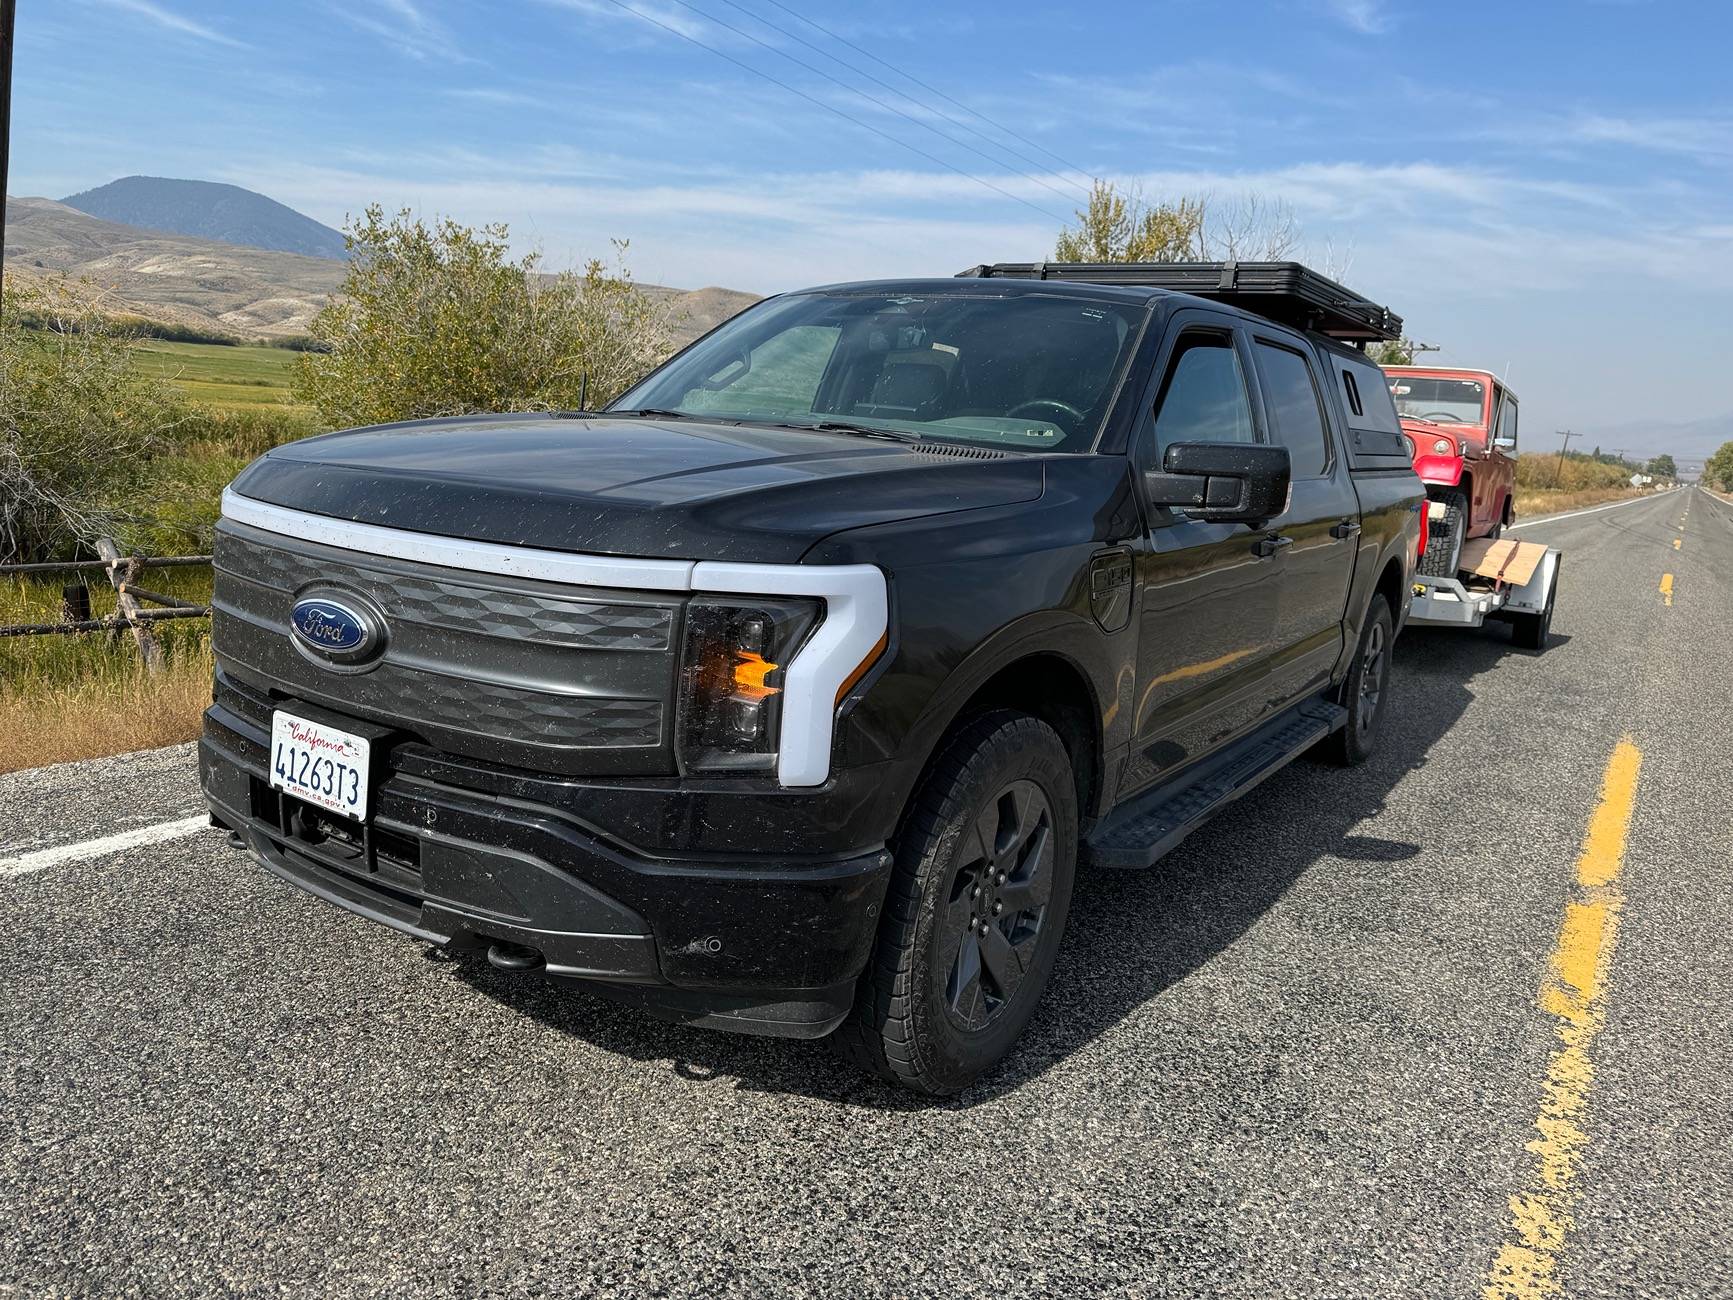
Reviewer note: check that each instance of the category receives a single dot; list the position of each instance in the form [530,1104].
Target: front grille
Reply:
[466,607]
[532,674]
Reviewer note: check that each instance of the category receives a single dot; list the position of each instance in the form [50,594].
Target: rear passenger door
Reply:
[1317,536]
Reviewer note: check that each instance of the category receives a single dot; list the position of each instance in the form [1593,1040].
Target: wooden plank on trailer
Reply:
[1505,559]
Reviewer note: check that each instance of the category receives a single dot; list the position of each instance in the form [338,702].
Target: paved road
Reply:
[1318,1052]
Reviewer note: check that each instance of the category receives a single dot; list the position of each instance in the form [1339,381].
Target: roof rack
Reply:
[1286,292]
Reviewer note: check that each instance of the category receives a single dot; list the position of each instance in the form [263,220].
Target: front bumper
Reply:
[758,945]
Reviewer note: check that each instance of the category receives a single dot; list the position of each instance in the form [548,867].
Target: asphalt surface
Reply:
[1303,1056]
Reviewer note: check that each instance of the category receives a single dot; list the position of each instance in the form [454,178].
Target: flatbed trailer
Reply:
[1515,582]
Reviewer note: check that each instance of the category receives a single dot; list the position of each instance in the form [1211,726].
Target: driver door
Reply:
[1209,602]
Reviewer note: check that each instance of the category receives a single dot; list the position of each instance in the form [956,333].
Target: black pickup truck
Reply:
[787,694]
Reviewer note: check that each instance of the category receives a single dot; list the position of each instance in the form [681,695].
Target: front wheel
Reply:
[976,908]
[1364,692]
[1443,555]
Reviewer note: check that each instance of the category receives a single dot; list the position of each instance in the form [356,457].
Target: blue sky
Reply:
[1543,187]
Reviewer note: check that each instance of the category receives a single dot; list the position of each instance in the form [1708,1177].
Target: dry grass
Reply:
[113,713]
[1531,502]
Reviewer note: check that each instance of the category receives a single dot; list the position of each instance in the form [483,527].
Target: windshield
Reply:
[1444,401]
[1035,372]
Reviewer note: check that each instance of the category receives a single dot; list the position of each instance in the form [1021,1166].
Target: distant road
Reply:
[1457,1019]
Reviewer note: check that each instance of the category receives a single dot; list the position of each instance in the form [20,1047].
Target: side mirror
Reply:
[1229,482]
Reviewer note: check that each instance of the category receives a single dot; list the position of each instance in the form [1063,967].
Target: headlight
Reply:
[1444,447]
[732,677]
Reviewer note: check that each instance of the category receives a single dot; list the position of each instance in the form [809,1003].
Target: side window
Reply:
[1507,420]
[1351,391]
[1291,401]
[1375,410]
[1204,397]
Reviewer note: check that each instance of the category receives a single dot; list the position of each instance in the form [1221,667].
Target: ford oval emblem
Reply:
[333,628]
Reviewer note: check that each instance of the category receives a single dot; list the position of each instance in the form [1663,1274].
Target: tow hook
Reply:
[514,957]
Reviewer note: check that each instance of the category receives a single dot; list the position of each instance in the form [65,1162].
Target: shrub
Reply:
[438,321]
[78,421]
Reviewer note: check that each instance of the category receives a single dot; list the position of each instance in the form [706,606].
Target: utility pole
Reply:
[1558,474]
[8,21]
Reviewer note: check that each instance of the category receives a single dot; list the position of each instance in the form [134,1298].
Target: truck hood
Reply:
[679,489]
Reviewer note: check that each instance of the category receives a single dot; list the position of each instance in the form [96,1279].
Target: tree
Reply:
[78,421]
[1399,352]
[439,321]
[1718,469]
[1663,467]
[1121,226]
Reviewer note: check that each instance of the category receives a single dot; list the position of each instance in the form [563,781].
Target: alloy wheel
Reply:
[998,901]
[1371,677]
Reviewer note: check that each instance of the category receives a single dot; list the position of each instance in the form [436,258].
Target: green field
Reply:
[223,376]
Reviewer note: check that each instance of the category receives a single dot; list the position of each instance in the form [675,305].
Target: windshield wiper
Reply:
[655,413]
[860,430]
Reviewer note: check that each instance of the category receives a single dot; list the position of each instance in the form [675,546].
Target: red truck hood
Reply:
[1422,431]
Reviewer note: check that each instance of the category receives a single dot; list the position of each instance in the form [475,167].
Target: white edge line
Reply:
[28,863]
[1589,510]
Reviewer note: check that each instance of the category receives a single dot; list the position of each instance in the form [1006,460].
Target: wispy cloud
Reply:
[1703,137]
[488,95]
[1368,17]
[175,22]
[406,27]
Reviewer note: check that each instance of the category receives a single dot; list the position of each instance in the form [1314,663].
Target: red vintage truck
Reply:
[1461,431]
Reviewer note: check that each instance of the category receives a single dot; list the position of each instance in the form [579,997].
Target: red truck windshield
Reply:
[1444,401]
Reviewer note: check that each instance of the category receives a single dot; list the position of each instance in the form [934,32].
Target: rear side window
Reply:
[1291,400]
[1204,398]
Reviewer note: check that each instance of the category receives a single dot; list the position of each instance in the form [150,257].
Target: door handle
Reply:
[1265,547]
[1346,529]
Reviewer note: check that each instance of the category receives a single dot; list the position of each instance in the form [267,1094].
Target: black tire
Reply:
[1366,688]
[996,813]
[1443,555]
[1534,631]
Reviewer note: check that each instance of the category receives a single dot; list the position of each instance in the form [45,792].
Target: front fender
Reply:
[1445,471]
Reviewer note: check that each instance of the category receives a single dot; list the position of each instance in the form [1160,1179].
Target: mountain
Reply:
[1690,442]
[225,287]
[207,210]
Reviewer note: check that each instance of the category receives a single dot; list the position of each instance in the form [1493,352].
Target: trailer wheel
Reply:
[1533,631]
[1443,554]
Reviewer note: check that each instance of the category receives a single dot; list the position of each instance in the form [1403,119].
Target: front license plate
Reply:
[320,764]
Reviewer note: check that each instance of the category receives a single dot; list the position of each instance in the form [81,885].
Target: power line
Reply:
[934,90]
[832,108]
[871,99]
[903,94]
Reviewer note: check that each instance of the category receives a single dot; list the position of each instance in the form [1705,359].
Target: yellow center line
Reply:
[1573,993]
[1667,588]
[1678,543]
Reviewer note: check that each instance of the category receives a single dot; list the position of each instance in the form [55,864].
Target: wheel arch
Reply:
[1049,686]
[1046,673]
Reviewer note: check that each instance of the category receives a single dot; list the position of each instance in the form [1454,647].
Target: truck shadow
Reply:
[1131,936]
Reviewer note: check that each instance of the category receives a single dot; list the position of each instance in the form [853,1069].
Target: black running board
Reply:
[1138,834]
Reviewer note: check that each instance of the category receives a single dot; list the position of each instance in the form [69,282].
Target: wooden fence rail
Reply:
[122,572]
